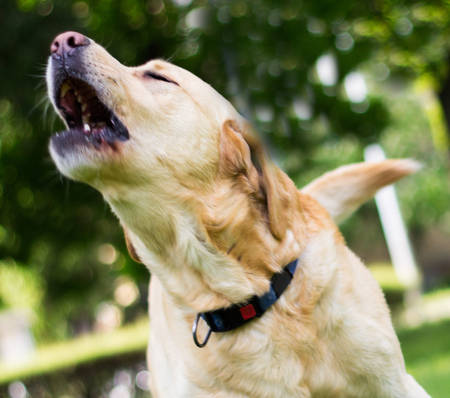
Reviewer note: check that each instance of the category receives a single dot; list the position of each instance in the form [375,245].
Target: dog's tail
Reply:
[343,190]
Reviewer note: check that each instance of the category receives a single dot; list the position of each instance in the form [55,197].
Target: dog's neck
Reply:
[208,251]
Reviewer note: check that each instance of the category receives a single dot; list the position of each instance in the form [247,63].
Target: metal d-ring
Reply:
[194,333]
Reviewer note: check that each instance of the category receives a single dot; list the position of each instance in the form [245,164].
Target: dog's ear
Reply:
[130,247]
[242,154]
[343,190]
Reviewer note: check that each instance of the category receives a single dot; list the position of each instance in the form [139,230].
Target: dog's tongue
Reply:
[70,105]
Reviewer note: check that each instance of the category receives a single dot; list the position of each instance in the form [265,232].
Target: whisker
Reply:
[173,56]
[37,105]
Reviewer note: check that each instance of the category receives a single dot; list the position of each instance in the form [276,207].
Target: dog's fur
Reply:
[213,218]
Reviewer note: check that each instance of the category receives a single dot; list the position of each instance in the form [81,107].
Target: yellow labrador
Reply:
[254,292]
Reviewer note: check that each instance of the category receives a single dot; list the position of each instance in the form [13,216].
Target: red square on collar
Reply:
[248,311]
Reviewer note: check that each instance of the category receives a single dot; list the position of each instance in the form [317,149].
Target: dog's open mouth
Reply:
[89,120]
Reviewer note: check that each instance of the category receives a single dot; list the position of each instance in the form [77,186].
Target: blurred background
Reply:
[320,80]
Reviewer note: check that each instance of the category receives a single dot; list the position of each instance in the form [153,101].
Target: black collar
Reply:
[226,319]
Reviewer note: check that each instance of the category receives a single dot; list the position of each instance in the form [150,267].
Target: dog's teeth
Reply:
[64,89]
[83,106]
[86,128]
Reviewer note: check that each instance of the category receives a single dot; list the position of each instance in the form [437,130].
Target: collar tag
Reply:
[194,333]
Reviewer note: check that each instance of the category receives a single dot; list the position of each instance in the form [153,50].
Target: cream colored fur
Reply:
[212,227]
[343,190]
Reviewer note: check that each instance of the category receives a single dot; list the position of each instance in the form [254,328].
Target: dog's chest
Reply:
[251,364]
[242,371]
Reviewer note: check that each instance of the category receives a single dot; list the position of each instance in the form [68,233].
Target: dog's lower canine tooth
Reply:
[64,89]
[86,128]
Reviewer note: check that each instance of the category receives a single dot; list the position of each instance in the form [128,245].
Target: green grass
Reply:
[54,357]
[385,275]
[427,355]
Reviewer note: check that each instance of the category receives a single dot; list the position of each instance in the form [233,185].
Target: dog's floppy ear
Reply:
[130,247]
[343,190]
[243,154]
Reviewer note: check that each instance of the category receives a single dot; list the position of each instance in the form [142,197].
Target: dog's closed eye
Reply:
[153,75]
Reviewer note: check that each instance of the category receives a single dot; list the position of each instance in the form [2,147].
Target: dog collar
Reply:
[229,318]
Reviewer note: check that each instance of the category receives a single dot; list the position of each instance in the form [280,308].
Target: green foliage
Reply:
[262,55]
[426,195]
[20,288]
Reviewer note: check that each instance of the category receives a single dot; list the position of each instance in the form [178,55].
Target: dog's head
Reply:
[155,123]
[123,120]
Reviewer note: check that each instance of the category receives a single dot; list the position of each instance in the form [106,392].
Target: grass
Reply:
[426,348]
[385,275]
[427,355]
[54,357]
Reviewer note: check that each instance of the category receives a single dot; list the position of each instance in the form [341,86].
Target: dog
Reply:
[254,292]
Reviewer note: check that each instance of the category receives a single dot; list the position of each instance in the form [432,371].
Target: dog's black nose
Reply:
[65,42]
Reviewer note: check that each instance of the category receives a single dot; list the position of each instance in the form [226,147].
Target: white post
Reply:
[393,227]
